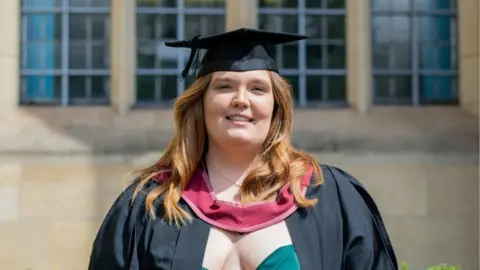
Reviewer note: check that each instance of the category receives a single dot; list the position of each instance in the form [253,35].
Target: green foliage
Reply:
[442,266]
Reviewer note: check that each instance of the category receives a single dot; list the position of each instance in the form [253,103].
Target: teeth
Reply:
[238,118]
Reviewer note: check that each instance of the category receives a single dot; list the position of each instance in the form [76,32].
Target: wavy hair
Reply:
[281,163]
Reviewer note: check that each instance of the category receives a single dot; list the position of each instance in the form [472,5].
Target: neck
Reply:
[235,161]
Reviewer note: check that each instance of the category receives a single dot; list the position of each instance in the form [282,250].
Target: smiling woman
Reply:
[239,107]
[230,191]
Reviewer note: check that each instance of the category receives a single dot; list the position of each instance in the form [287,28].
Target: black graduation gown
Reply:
[343,231]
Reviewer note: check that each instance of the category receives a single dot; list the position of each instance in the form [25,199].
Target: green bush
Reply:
[441,266]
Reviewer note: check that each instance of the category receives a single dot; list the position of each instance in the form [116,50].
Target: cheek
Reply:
[265,109]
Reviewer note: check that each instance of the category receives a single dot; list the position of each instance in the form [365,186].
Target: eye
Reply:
[223,86]
[260,89]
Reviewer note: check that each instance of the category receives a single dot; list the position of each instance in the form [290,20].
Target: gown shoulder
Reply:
[118,240]
[366,243]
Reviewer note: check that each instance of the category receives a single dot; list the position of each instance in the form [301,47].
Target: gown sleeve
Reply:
[366,242]
[116,244]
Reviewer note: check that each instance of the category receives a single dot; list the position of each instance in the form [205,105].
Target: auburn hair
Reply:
[281,163]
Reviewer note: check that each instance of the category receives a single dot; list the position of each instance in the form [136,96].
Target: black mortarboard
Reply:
[239,50]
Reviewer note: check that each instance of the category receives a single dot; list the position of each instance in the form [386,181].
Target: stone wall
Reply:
[52,206]
[469,56]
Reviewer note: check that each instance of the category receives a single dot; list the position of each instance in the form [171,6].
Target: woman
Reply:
[231,192]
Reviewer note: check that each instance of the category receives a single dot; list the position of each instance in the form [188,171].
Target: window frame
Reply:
[302,12]
[180,11]
[65,10]
[414,71]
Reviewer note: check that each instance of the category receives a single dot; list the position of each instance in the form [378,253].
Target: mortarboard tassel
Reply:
[193,60]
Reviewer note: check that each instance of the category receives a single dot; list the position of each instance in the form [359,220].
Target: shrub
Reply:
[441,266]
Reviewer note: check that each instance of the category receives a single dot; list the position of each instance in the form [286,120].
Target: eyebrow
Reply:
[260,81]
[217,80]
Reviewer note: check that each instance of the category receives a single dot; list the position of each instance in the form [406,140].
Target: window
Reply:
[65,52]
[159,67]
[315,67]
[414,51]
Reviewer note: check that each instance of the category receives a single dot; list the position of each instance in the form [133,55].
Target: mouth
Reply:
[239,118]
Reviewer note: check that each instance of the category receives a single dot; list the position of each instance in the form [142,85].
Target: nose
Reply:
[240,100]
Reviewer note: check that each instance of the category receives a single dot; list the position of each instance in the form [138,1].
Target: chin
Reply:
[239,140]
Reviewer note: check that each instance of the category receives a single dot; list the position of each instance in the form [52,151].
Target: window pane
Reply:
[78,87]
[329,4]
[315,56]
[85,89]
[89,3]
[78,27]
[156,88]
[279,23]
[438,89]
[286,56]
[42,3]
[204,25]
[42,55]
[437,57]
[77,56]
[41,89]
[381,55]
[393,5]
[435,4]
[159,3]
[98,26]
[325,27]
[314,88]
[392,42]
[437,29]
[314,27]
[400,56]
[156,55]
[100,86]
[337,90]
[393,88]
[41,27]
[336,57]
[278,3]
[153,26]
[99,57]
[333,4]
[205,3]
[336,27]
[391,29]
[313,3]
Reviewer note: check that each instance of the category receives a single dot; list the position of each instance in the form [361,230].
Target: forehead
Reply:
[254,75]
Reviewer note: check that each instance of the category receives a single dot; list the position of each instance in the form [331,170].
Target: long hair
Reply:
[281,163]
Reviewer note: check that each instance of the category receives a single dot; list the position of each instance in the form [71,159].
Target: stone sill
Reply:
[98,130]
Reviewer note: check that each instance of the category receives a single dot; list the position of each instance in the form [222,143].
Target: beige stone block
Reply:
[60,192]
[399,189]
[72,244]
[112,180]
[241,14]
[9,76]
[469,83]
[25,245]
[468,26]
[423,241]
[8,203]
[10,176]
[358,55]
[453,191]
[9,27]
